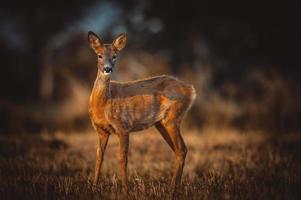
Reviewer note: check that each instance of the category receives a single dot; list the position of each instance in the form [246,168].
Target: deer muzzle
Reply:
[108,70]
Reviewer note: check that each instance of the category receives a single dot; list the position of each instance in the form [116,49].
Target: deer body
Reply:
[136,105]
[123,107]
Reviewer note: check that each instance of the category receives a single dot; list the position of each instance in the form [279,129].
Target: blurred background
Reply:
[242,133]
[242,57]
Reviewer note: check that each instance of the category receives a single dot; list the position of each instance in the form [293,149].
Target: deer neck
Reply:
[101,91]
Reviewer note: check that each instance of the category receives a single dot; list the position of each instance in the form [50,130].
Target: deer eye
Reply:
[114,57]
[99,56]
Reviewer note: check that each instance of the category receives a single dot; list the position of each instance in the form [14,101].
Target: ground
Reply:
[221,164]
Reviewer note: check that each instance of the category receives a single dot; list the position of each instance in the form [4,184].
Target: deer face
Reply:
[106,53]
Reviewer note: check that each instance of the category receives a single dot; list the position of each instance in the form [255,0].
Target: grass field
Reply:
[221,164]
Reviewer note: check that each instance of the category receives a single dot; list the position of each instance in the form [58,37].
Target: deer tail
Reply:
[191,95]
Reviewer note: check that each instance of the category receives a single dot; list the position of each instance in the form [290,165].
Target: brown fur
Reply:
[123,107]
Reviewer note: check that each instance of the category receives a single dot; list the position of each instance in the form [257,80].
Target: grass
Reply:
[221,164]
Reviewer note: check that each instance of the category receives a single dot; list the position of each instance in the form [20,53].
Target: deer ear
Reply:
[119,42]
[95,42]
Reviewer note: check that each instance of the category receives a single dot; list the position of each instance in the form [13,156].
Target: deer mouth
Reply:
[107,70]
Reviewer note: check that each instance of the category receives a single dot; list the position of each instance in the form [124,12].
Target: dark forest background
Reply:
[242,57]
[242,132]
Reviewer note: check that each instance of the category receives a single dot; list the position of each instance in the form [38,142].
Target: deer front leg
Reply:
[123,153]
[102,144]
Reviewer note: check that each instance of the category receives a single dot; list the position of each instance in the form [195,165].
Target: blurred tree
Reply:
[36,22]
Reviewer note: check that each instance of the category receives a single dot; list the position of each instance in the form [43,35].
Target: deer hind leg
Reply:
[123,153]
[165,135]
[171,133]
[102,144]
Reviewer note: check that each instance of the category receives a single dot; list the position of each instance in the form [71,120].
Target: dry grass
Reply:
[227,164]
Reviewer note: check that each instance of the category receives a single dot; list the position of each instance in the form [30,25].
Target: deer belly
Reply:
[139,114]
[139,120]
[143,120]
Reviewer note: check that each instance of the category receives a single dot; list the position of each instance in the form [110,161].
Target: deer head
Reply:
[106,53]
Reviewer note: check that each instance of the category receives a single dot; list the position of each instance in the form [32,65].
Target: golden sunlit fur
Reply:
[123,107]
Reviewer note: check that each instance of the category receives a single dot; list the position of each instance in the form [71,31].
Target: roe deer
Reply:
[122,107]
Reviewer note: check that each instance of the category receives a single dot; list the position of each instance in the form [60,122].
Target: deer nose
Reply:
[108,70]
